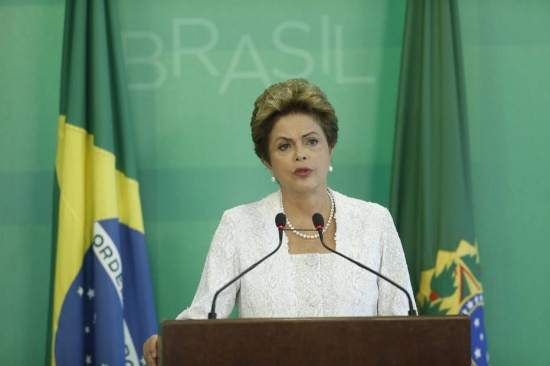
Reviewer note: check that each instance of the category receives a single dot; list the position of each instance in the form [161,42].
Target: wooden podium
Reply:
[422,340]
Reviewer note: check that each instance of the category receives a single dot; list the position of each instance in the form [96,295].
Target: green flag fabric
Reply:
[103,308]
[431,196]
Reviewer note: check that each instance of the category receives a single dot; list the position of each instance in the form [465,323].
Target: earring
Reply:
[330,169]
[273,180]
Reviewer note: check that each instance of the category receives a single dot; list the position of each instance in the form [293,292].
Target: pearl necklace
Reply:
[305,236]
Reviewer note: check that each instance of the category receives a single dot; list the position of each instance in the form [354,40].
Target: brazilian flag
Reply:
[431,196]
[102,303]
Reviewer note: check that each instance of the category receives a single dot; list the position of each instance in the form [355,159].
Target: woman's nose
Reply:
[300,153]
[300,156]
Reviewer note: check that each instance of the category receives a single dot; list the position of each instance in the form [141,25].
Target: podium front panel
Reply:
[422,340]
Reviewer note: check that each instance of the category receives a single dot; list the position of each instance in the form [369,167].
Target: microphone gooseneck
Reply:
[319,223]
[280,221]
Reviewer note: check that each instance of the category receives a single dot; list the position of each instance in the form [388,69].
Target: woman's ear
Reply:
[266,163]
[331,150]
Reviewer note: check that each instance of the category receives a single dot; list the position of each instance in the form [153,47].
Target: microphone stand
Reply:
[280,219]
[318,221]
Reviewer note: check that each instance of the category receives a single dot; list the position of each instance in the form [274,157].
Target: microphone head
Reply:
[318,221]
[280,220]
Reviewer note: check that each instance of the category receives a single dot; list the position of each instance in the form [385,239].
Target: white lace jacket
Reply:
[303,285]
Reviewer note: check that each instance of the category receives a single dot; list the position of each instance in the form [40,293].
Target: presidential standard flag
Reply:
[103,306]
[431,198]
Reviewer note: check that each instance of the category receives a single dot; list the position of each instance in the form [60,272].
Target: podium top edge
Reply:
[434,318]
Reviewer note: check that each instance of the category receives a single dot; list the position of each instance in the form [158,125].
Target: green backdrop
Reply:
[194,70]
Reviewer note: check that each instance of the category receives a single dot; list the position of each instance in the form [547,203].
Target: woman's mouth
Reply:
[302,172]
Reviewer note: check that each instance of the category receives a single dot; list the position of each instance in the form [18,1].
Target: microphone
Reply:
[319,223]
[280,222]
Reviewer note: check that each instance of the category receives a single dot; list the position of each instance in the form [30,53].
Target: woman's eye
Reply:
[313,142]
[284,147]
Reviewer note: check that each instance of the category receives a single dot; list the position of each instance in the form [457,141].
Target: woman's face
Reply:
[299,153]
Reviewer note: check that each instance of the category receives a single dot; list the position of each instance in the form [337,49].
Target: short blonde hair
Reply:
[291,96]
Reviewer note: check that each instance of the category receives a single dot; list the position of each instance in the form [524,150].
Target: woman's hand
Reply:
[150,350]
